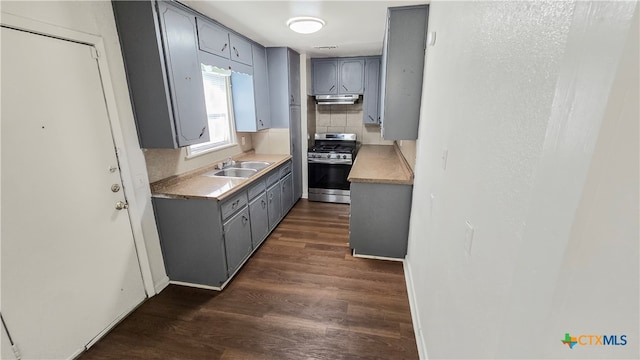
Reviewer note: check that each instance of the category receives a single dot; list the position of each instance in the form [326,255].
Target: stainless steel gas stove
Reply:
[330,161]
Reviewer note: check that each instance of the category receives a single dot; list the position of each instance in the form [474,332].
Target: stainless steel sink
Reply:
[232,172]
[256,165]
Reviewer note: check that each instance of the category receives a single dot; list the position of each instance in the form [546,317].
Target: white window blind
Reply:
[217,93]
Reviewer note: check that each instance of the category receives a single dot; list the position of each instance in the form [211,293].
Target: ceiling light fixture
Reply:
[305,24]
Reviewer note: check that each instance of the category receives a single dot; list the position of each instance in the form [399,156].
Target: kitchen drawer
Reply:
[285,169]
[257,189]
[234,204]
[273,178]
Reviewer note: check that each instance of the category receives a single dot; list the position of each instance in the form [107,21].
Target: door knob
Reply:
[120,205]
[115,187]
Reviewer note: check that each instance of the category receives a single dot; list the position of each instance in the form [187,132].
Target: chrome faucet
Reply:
[226,163]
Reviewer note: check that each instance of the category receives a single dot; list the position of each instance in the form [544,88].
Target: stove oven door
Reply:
[328,182]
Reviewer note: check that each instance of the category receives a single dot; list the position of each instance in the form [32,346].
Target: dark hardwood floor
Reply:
[300,296]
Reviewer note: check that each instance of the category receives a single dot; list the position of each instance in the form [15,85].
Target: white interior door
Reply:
[69,265]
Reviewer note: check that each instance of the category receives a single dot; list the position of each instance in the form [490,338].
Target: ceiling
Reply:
[355,27]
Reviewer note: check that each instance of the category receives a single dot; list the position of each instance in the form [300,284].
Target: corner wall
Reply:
[528,99]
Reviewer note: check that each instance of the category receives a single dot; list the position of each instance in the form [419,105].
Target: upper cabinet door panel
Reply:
[325,77]
[213,38]
[294,77]
[261,84]
[371,90]
[187,95]
[351,76]
[240,50]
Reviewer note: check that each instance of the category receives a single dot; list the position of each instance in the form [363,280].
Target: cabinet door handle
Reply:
[292,99]
[202,132]
[236,51]
[224,47]
[332,87]
[372,119]
[264,203]
[244,220]
[261,123]
[344,87]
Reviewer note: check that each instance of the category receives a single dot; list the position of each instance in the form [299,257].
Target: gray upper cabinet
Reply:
[337,76]
[351,79]
[283,65]
[160,49]
[294,77]
[251,106]
[284,93]
[250,91]
[213,38]
[403,55]
[218,40]
[325,76]
[240,50]
[371,90]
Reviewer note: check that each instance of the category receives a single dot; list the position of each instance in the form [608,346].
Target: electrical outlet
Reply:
[468,237]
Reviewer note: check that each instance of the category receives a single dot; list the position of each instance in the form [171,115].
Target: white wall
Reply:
[96,18]
[539,118]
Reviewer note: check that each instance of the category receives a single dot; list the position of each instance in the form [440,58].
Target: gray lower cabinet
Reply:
[403,54]
[237,239]
[371,96]
[286,188]
[205,241]
[274,205]
[259,219]
[192,240]
[379,220]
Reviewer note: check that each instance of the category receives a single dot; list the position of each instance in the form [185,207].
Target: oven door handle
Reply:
[329,161]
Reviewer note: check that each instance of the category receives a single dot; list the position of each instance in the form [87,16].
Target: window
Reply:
[217,93]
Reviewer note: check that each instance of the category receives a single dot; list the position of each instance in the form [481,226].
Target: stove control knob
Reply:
[329,156]
[344,156]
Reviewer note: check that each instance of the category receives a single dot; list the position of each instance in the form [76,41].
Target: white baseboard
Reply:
[353,253]
[415,319]
[200,286]
[163,283]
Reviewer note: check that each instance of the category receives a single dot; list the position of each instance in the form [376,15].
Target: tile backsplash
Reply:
[347,119]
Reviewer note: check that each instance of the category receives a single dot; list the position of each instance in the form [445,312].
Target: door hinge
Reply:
[94,53]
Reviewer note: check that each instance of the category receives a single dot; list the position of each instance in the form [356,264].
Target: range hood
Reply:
[348,99]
